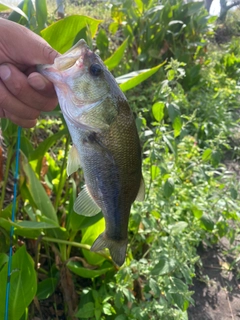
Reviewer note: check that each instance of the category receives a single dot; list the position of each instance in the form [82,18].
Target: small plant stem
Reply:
[62,175]
[70,247]
[9,157]
[63,251]
[76,244]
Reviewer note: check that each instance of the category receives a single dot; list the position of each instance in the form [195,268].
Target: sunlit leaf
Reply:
[17,9]
[207,154]
[61,35]
[177,126]
[87,273]
[23,284]
[116,57]
[158,110]
[132,79]
[102,41]
[155,171]
[178,227]
[89,236]
[3,7]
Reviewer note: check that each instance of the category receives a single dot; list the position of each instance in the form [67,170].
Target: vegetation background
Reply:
[179,68]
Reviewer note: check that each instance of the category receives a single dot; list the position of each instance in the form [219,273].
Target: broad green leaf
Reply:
[14,16]
[207,154]
[178,227]
[87,311]
[121,317]
[171,146]
[89,236]
[29,229]
[178,299]
[61,35]
[35,225]
[132,79]
[23,284]
[154,287]
[177,126]
[116,57]
[37,192]
[155,171]
[197,212]
[3,7]
[41,13]
[158,110]
[234,193]
[194,7]
[4,240]
[102,41]
[173,111]
[206,222]
[26,146]
[3,259]
[76,268]
[46,288]
[7,212]
[164,266]
[80,222]
[29,233]
[168,187]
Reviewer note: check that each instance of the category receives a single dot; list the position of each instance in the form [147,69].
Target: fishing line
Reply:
[12,219]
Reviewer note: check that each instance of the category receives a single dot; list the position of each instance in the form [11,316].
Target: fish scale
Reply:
[105,143]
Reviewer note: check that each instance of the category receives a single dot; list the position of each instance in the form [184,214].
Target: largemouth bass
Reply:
[105,143]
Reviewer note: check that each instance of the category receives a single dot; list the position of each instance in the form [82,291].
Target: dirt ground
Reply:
[217,286]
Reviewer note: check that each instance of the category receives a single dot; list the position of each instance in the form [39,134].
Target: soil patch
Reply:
[217,286]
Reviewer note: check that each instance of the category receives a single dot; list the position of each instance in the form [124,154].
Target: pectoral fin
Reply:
[141,192]
[85,205]
[73,163]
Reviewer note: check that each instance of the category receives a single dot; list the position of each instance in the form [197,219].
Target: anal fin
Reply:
[85,205]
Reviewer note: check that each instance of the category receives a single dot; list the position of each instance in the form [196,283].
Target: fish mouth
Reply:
[63,63]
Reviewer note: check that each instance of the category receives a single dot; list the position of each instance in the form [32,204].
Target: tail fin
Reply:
[117,248]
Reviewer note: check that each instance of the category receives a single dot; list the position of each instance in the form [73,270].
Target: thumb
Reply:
[27,49]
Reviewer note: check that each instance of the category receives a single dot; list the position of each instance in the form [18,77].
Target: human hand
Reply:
[24,93]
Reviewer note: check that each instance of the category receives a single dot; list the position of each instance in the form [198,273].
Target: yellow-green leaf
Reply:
[61,35]
[132,79]
[116,57]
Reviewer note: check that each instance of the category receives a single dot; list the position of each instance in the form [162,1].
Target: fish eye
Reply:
[95,69]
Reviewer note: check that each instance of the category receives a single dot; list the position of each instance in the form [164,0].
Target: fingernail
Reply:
[37,82]
[5,72]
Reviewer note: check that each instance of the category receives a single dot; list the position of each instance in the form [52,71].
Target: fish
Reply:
[105,141]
